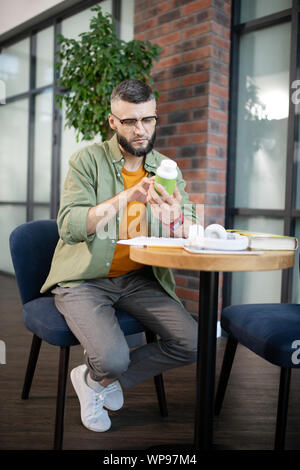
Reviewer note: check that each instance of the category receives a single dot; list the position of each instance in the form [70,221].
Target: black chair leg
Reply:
[61,396]
[225,372]
[282,408]
[158,381]
[161,396]
[33,357]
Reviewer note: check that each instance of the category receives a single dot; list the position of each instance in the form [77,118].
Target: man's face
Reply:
[138,139]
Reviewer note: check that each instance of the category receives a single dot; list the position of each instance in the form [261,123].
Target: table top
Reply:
[181,259]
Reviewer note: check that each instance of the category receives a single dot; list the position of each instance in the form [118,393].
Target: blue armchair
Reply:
[271,331]
[32,246]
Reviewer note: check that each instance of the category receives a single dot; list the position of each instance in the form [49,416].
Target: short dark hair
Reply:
[132,91]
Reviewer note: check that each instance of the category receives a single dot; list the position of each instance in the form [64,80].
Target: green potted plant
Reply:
[91,66]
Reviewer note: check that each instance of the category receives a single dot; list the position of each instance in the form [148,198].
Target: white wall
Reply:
[16,12]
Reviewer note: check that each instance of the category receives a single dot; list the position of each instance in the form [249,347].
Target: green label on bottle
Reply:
[169,185]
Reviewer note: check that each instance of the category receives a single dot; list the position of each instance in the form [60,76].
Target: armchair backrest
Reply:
[32,247]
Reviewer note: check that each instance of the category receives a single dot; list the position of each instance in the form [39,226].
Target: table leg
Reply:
[206,360]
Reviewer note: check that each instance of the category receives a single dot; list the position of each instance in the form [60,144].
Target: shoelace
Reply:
[99,398]
[98,407]
[113,387]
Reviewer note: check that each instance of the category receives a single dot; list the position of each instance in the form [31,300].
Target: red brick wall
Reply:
[192,77]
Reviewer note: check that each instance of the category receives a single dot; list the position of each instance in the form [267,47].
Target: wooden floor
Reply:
[247,420]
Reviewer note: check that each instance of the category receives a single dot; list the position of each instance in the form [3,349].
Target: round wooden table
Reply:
[209,266]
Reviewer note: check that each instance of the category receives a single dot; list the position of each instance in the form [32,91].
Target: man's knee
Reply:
[189,343]
[115,365]
[184,349]
[189,350]
[191,355]
[112,363]
[186,343]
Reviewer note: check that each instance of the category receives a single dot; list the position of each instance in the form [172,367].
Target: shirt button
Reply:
[113,241]
[107,264]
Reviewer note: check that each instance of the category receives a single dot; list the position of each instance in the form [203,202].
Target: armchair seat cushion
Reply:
[42,318]
[269,330]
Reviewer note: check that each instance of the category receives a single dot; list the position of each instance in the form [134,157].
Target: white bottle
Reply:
[166,175]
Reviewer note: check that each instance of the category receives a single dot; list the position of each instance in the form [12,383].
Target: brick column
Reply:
[192,77]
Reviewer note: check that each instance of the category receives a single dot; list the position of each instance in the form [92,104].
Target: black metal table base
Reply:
[206,367]
[206,360]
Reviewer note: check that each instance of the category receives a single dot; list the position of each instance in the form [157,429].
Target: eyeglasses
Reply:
[148,121]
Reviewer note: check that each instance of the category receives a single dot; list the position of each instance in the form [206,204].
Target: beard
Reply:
[136,152]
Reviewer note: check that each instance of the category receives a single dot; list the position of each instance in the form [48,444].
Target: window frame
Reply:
[30,31]
[289,214]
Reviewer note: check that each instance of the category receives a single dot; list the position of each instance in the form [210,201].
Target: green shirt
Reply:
[94,176]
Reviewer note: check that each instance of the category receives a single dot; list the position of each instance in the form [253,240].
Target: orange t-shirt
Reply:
[134,224]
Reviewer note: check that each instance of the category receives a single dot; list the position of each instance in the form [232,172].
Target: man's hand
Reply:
[165,207]
[139,192]
[98,216]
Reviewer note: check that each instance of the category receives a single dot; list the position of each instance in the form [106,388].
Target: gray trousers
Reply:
[89,310]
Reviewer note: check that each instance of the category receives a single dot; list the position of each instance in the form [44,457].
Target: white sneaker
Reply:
[112,393]
[93,416]
[113,396]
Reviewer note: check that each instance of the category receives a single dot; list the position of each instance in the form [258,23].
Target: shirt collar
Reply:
[114,149]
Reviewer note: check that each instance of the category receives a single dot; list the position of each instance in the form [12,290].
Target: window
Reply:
[253,9]
[34,146]
[263,140]
[263,108]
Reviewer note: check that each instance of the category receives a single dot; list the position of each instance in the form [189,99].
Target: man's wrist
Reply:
[103,212]
[176,223]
